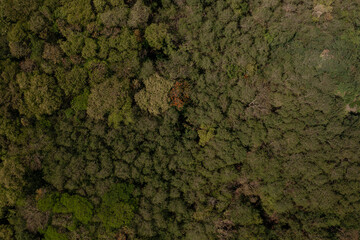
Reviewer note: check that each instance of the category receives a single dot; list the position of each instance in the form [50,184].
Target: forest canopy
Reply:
[179,119]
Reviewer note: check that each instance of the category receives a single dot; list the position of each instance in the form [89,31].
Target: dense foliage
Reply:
[179,119]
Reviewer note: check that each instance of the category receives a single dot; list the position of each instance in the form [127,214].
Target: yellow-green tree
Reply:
[154,98]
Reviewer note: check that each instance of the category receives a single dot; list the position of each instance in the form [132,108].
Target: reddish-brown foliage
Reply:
[137,34]
[27,65]
[179,94]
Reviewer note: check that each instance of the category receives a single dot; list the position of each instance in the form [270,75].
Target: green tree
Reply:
[98,71]
[74,43]
[79,206]
[80,102]
[52,234]
[244,215]
[123,55]
[107,97]
[99,5]
[17,33]
[52,53]
[139,14]
[18,10]
[6,232]
[48,201]
[37,23]
[118,206]
[73,81]
[90,48]
[124,115]
[41,94]
[205,134]
[11,181]
[156,35]
[77,12]
[115,17]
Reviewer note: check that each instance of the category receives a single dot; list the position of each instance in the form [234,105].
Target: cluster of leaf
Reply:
[264,147]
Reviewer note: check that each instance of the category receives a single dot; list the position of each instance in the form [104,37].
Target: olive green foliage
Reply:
[94,145]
